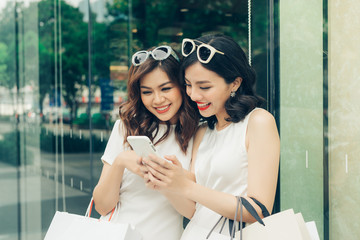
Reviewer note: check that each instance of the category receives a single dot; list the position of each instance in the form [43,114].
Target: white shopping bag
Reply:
[311,226]
[284,225]
[67,226]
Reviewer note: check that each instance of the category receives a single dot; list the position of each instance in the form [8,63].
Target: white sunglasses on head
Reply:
[205,52]
[159,53]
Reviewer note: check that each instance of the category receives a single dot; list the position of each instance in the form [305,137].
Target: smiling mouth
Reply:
[203,106]
[162,109]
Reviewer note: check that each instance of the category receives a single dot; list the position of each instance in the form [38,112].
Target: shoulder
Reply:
[261,123]
[118,124]
[200,133]
[197,140]
[118,127]
[260,117]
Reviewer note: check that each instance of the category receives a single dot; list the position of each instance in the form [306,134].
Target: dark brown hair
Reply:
[138,120]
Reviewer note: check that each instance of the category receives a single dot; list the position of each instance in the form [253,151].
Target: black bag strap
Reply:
[240,202]
[264,210]
[251,210]
[232,229]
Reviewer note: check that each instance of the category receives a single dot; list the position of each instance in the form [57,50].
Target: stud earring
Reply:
[232,94]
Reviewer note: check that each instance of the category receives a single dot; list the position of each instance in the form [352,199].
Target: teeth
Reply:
[162,108]
[203,104]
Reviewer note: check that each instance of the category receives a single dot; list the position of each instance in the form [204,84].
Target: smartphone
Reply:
[142,145]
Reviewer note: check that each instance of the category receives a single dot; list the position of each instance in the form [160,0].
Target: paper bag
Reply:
[74,227]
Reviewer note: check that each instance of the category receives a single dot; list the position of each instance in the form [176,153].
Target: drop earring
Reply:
[232,94]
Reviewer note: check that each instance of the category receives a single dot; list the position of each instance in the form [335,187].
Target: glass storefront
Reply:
[63,74]
[301,109]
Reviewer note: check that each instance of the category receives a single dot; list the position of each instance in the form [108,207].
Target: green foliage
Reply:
[8,148]
[4,77]
[72,55]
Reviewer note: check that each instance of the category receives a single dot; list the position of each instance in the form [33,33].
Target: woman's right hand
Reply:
[167,175]
[130,160]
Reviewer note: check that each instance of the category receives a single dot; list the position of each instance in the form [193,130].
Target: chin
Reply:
[164,119]
[206,114]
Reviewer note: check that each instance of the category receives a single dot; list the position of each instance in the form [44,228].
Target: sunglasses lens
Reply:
[160,53]
[139,58]
[187,47]
[204,53]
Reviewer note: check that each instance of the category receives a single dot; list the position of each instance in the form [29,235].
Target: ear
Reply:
[236,84]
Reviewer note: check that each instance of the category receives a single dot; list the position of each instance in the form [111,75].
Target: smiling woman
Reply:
[236,153]
[209,90]
[161,96]
[158,108]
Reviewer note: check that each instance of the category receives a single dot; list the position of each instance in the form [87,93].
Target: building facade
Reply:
[63,74]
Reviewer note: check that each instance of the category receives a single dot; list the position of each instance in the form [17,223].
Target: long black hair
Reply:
[229,66]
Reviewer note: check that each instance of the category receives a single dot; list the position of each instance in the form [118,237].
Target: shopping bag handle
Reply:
[240,202]
[89,209]
[264,210]
[251,210]
[232,232]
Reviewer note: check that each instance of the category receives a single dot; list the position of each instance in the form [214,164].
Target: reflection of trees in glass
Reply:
[7,46]
[159,21]
[4,77]
[153,23]
[73,50]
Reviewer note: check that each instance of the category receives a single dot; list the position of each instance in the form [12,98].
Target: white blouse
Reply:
[221,164]
[150,212]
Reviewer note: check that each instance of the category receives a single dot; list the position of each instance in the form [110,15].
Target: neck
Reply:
[221,122]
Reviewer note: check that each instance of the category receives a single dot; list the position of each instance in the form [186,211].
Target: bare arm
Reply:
[184,206]
[107,192]
[263,146]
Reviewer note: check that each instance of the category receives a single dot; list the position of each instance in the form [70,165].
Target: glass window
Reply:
[63,74]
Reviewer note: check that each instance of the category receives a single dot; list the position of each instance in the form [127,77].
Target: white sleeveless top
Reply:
[221,164]
[150,212]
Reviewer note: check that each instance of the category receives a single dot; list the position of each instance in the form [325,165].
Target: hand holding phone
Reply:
[142,145]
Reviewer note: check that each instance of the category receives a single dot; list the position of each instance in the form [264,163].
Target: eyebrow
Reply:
[199,82]
[159,86]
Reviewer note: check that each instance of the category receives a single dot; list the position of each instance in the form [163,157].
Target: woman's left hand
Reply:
[166,175]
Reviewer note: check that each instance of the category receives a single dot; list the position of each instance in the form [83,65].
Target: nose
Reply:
[158,98]
[193,94]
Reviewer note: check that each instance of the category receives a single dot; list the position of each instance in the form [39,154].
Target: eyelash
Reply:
[204,88]
[163,89]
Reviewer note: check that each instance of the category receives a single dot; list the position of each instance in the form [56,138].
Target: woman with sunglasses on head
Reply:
[158,108]
[237,152]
